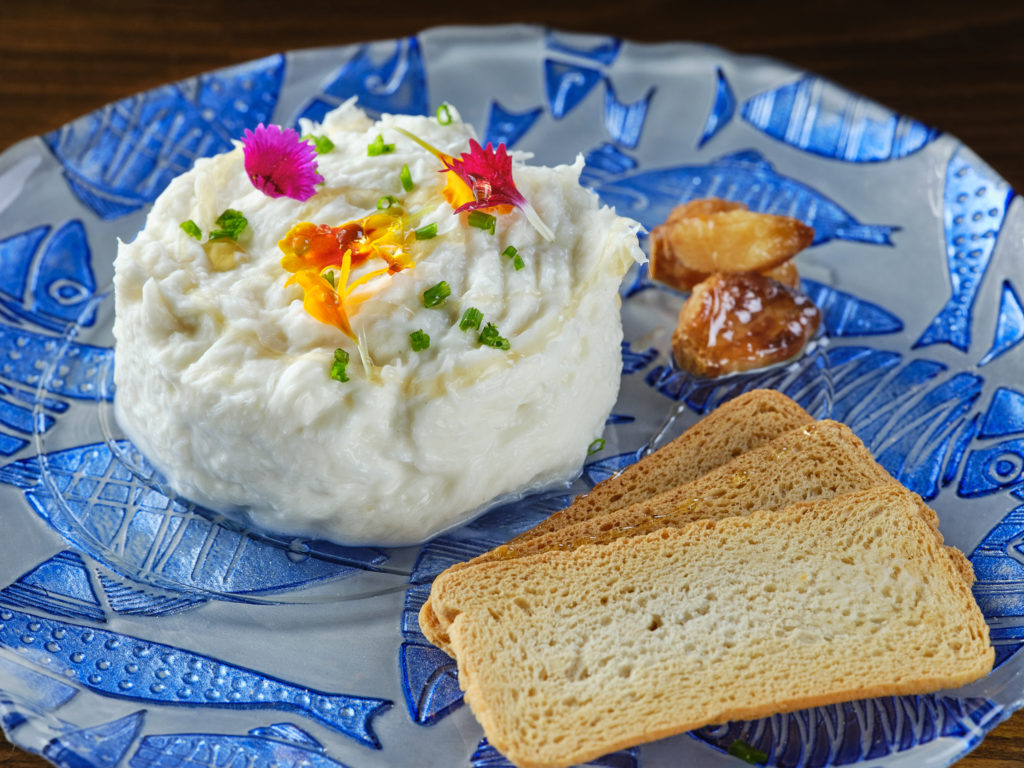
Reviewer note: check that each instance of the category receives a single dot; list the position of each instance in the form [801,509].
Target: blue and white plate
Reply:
[138,629]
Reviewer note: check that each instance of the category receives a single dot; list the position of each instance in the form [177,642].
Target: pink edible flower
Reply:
[279,163]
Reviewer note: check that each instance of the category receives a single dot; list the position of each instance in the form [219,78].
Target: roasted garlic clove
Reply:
[712,235]
[736,322]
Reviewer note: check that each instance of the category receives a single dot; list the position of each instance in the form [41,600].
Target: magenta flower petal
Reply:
[279,163]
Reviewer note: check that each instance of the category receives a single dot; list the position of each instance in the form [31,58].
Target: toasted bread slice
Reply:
[735,427]
[568,655]
[739,425]
[817,461]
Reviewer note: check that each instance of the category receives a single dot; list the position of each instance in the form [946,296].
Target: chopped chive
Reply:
[595,446]
[419,341]
[747,753]
[338,366]
[321,144]
[232,223]
[192,229]
[444,115]
[512,253]
[427,232]
[490,337]
[471,319]
[481,220]
[436,295]
[330,278]
[388,201]
[406,178]
[378,147]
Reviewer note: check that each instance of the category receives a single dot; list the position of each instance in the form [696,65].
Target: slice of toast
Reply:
[568,655]
[737,426]
[746,422]
[821,460]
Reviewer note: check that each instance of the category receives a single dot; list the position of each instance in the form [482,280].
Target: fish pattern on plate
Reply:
[869,730]
[116,160]
[815,116]
[281,745]
[115,665]
[101,505]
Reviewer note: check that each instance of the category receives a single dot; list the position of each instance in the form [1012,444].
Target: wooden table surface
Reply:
[957,66]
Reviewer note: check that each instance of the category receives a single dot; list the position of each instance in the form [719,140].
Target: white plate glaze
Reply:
[136,629]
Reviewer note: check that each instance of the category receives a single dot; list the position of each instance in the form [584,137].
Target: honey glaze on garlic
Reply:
[739,321]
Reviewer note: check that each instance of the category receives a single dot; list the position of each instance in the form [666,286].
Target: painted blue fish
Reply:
[746,176]
[60,586]
[506,127]
[384,77]
[816,116]
[121,157]
[281,745]
[85,372]
[999,590]
[975,201]
[38,691]
[601,51]
[723,108]
[100,746]
[47,278]
[105,510]
[625,122]
[994,467]
[486,756]
[633,362]
[1009,325]
[429,676]
[908,413]
[120,666]
[35,361]
[866,730]
[604,162]
[566,85]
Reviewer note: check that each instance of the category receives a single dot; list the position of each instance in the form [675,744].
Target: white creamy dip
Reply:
[223,377]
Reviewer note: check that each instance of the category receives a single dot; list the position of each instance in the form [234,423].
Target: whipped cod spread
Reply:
[224,378]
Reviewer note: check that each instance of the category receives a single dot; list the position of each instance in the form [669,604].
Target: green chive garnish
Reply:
[321,144]
[436,294]
[406,178]
[419,341]
[444,115]
[338,366]
[512,253]
[330,278]
[747,753]
[481,220]
[595,446]
[490,337]
[388,201]
[471,319]
[378,147]
[427,232]
[192,229]
[232,223]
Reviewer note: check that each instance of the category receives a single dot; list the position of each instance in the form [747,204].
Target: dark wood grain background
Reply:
[957,66]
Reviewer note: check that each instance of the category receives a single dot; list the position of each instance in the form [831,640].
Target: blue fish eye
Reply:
[66,292]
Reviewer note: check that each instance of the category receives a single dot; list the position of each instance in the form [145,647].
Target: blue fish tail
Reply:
[22,474]
[722,110]
[350,715]
[873,234]
[948,327]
